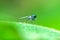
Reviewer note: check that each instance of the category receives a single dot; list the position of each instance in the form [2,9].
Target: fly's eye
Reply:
[34,16]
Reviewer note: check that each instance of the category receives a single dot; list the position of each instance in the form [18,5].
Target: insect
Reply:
[32,17]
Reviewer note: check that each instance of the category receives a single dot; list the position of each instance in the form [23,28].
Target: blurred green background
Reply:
[47,11]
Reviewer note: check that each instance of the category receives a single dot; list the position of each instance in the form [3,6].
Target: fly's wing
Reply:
[23,17]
